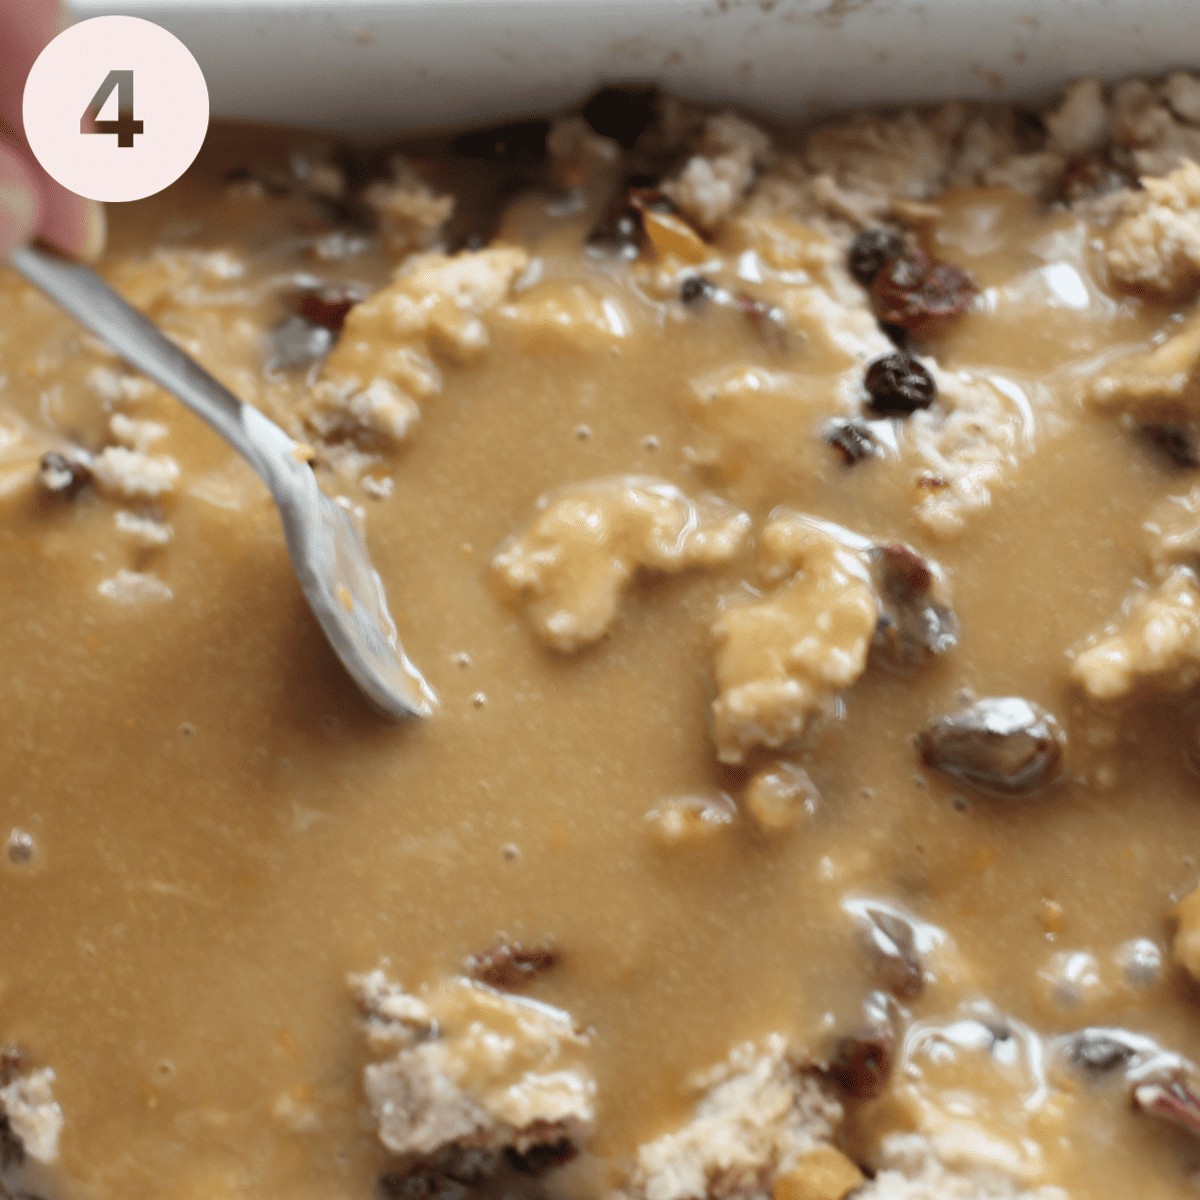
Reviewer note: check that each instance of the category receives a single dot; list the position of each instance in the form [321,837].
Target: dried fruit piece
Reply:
[767,320]
[326,306]
[670,234]
[897,963]
[60,475]
[1097,1051]
[899,385]
[511,966]
[1172,1099]
[1175,442]
[618,234]
[1003,746]
[540,1158]
[862,1064]
[517,142]
[870,251]
[696,288]
[913,626]
[622,113]
[921,293]
[852,441]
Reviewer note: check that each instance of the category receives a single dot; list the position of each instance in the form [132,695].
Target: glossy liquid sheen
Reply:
[224,831]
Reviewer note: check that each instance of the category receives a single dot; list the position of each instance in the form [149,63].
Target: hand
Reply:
[31,203]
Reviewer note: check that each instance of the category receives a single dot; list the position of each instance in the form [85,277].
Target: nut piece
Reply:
[824,1174]
[1002,745]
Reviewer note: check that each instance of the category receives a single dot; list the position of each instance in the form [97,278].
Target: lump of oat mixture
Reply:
[781,660]
[1155,638]
[567,570]
[385,360]
[29,1114]
[760,1115]
[467,1065]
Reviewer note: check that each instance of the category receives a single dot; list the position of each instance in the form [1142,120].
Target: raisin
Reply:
[1171,1099]
[921,293]
[912,627]
[59,475]
[899,385]
[326,306]
[897,963]
[650,199]
[1002,745]
[870,250]
[621,113]
[510,966]
[423,1183]
[696,288]
[1094,1051]
[906,575]
[852,441]
[862,1064]
[766,319]
[1174,441]
[618,234]
[539,1159]
[518,142]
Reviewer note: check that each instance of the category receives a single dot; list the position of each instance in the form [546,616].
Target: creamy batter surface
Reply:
[813,788]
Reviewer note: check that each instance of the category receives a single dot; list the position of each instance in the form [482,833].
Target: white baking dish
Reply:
[374,65]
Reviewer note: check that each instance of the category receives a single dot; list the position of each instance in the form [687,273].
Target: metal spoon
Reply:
[330,560]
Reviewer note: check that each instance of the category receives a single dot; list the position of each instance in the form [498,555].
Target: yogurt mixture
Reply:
[801,532]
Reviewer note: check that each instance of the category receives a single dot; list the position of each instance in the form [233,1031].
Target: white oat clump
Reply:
[1151,136]
[409,213]
[568,569]
[759,1117]
[133,473]
[964,445]
[714,181]
[384,361]
[1155,246]
[34,1116]
[1080,125]
[908,1168]
[1155,637]
[1165,377]
[468,1065]
[782,660]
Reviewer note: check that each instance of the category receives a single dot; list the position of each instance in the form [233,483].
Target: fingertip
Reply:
[71,223]
[20,208]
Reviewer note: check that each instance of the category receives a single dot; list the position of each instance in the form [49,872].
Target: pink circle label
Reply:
[116,108]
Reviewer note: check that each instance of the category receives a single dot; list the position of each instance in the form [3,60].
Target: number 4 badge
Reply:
[125,126]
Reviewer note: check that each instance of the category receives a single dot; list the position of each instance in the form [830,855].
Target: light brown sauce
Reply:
[224,831]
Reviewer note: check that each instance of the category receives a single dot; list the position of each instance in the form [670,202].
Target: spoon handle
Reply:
[90,300]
